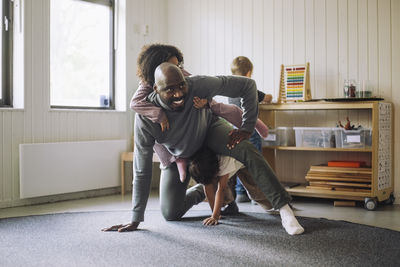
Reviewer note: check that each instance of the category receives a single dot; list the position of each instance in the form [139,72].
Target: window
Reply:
[82,54]
[6,9]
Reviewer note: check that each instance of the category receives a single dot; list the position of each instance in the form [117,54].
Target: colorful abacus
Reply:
[294,83]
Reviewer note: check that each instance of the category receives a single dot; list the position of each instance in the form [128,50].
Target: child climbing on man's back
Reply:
[214,171]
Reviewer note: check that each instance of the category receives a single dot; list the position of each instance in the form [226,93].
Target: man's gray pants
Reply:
[175,200]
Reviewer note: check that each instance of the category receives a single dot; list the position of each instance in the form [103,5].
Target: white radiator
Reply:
[57,168]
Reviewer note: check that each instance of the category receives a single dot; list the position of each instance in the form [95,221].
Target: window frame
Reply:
[111,101]
[7,54]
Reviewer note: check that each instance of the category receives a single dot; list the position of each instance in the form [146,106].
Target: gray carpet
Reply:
[249,239]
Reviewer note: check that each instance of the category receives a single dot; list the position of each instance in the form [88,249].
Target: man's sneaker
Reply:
[240,198]
[231,209]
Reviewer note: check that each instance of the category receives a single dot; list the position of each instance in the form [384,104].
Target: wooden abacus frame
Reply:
[302,92]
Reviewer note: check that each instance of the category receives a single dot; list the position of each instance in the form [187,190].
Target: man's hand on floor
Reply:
[122,227]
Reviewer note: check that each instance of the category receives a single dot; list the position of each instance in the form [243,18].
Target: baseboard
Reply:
[61,197]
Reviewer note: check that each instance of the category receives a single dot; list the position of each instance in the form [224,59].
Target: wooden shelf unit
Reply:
[380,154]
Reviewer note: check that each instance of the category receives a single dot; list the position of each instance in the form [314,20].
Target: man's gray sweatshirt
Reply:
[188,128]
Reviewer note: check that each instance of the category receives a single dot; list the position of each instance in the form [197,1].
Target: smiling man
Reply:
[171,88]
[189,129]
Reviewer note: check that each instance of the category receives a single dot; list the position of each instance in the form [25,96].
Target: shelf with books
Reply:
[333,149]
[291,163]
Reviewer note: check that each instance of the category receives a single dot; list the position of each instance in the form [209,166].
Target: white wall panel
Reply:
[228,33]
[220,65]
[342,44]
[17,138]
[277,38]
[288,31]
[352,44]
[372,42]
[204,47]
[268,84]
[247,29]
[299,42]
[362,37]
[320,49]
[211,37]
[7,160]
[384,49]
[187,16]
[257,42]
[310,41]
[2,150]
[332,41]
[237,28]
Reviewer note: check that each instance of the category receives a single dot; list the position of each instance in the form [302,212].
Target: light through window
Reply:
[81,54]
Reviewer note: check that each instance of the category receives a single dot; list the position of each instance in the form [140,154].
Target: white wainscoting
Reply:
[57,168]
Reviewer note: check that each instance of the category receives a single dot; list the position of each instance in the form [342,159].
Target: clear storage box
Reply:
[353,138]
[286,136]
[368,137]
[314,137]
[272,139]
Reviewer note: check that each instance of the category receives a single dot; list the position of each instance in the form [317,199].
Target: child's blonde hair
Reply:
[241,66]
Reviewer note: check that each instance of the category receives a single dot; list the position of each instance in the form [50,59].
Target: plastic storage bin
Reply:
[368,137]
[314,137]
[352,138]
[272,139]
[286,136]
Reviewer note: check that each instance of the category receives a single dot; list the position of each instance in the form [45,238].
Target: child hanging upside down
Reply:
[214,171]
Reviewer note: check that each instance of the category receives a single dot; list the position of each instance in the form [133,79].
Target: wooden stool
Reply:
[128,157]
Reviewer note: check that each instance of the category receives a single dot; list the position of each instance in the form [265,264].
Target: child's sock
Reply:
[181,164]
[289,221]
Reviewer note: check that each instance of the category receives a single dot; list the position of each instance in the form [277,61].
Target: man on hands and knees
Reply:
[191,128]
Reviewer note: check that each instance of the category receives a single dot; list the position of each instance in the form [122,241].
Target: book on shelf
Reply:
[340,178]
[327,169]
[351,164]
